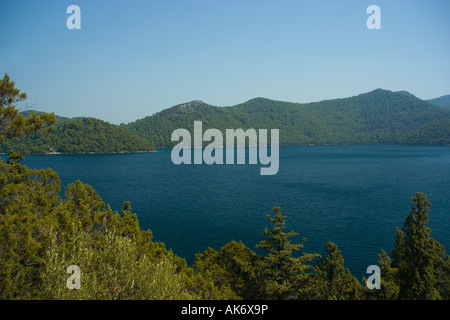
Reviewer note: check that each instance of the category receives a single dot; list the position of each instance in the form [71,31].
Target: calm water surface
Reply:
[354,196]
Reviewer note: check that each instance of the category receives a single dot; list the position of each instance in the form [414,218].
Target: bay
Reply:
[354,196]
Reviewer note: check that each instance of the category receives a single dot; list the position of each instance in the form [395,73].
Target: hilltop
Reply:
[377,117]
[443,101]
[79,135]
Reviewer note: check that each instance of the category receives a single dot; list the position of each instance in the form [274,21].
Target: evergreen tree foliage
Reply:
[114,270]
[333,280]
[417,256]
[82,135]
[27,210]
[13,124]
[281,275]
[388,286]
[231,268]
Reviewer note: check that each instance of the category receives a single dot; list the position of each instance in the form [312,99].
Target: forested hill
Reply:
[443,101]
[433,133]
[377,117]
[79,135]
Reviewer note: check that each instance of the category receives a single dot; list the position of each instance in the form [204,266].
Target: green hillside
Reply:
[434,133]
[443,101]
[377,117]
[81,135]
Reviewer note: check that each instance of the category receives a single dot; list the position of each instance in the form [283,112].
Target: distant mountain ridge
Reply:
[443,101]
[377,117]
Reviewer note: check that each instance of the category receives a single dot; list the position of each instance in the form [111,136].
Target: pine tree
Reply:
[389,287]
[231,268]
[280,274]
[417,256]
[333,280]
[28,198]
[13,124]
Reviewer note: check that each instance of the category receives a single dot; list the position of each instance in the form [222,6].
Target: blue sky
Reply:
[135,58]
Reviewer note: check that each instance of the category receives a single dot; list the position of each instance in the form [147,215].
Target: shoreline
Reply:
[65,153]
[165,148]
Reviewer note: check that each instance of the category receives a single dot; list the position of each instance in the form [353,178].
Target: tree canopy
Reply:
[82,135]
[13,124]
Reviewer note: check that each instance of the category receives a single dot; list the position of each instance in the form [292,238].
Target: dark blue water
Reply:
[354,196]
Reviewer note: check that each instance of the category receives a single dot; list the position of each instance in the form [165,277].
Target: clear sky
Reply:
[131,59]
